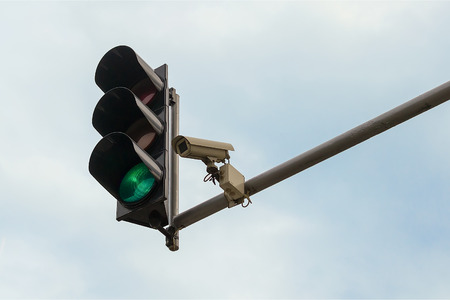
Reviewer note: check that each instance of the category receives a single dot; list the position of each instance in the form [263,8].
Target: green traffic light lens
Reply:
[136,184]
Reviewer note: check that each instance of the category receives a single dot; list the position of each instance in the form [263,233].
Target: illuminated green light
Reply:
[136,184]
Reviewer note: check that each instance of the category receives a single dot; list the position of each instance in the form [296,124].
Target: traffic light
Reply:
[131,161]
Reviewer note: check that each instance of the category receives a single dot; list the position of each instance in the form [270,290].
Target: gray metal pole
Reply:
[173,192]
[324,151]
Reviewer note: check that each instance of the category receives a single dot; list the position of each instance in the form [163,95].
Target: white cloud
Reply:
[31,267]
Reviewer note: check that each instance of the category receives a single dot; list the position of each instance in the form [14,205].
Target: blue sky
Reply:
[275,79]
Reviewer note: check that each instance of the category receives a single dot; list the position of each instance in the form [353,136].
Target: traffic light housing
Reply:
[131,161]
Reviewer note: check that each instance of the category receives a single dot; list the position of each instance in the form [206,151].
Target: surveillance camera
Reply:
[204,150]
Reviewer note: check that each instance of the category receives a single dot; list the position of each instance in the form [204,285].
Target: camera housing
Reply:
[210,152]
[205,150]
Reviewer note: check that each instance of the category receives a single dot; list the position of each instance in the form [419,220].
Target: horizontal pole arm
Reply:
[322,152]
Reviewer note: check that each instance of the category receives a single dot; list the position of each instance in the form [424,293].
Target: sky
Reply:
[274,79]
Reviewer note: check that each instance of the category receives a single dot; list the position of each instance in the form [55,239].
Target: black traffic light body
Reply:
[131,161]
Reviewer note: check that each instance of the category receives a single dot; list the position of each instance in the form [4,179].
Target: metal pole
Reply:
[173,192]
[322,152]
